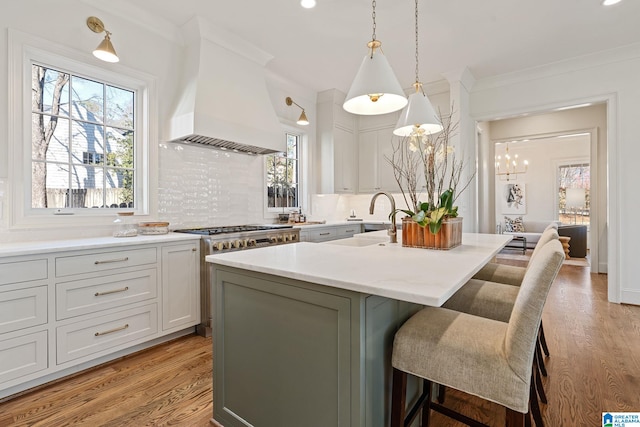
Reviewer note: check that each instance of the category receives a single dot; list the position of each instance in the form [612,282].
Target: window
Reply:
[82,139]
[573,193]
[89,158]
[79,136]
[283,175]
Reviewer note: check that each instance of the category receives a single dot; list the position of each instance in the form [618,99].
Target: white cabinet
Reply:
[180,285]
[99,261]
[23,308]
[337,145]
[344,157]
[330,232]
[22,355]
[69,307]
[23,318]
[100,333]
[374,171]
[346,231]
[85,296]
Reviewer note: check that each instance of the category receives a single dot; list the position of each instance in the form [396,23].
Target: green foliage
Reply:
[432,216]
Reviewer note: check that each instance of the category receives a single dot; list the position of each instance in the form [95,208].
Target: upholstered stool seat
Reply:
[461,351]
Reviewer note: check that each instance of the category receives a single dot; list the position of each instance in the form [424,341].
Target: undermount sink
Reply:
[356,242]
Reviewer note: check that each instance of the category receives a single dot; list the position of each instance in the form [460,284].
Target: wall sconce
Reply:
[302,120]
[105,50]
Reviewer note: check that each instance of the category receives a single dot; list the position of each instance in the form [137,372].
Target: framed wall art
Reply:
[513,199]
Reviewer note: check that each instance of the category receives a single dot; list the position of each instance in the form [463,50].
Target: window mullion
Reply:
[70,147]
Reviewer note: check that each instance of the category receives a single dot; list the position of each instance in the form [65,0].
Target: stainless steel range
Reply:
[217,240]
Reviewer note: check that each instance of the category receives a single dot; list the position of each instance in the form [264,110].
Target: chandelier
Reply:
[509,167]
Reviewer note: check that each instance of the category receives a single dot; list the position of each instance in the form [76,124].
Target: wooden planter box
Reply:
[449,236]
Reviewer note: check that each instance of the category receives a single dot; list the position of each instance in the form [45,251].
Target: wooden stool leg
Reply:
[441,393]
[538,380]
[538,356]
[398,398]
[426,407]
[543,341]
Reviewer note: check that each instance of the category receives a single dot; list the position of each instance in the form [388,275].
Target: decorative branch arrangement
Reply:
[430,156]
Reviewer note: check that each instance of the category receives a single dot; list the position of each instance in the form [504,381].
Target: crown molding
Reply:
[619,54]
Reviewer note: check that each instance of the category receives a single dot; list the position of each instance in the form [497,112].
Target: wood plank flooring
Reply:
[594,367]
[167,385]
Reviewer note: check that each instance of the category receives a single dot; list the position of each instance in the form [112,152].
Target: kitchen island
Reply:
[303,332]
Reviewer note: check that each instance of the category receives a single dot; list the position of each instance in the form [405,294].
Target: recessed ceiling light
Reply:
[610,2]
[308,4]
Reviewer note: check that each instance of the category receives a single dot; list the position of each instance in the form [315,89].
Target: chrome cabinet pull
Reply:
[126,288]
[110,331]
[109,261]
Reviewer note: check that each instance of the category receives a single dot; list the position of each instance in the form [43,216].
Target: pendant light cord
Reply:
[417,73]
[373,17]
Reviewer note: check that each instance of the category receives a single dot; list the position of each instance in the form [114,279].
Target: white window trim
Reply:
[24,50]
[270,213]
[557,164]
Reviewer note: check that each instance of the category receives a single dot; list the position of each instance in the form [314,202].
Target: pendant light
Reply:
[375,89]
[419,113]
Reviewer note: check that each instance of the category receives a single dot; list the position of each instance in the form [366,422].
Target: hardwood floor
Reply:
[164,386]
[594,367]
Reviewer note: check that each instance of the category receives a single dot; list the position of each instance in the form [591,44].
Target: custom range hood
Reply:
[224,101]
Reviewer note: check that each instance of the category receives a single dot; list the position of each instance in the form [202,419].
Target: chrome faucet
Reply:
[392,232]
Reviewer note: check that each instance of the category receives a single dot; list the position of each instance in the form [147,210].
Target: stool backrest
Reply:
[547,235]
[522,331]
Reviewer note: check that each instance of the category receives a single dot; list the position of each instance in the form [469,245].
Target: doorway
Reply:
[550,140]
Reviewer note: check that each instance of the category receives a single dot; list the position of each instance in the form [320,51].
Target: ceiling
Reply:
[322,48]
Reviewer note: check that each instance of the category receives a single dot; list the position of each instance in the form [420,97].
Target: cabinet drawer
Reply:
[23,271]
[23,356]
[23,308]
[322,234]
[345,231]
[101,261]
[105,332]
[79,297]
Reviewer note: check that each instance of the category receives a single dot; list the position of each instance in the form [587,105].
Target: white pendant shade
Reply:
[375,89]
[418,113]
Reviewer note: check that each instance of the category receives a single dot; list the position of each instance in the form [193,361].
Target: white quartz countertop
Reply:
[362,264]
[39,247]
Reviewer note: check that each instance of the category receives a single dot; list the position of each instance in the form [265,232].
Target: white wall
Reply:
[153,47]
[611,77]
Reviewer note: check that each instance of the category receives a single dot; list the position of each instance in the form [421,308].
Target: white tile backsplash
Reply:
[337,207]
[200,186]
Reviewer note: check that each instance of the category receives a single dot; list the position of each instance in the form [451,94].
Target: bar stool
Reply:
[513,275]
[480,356]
